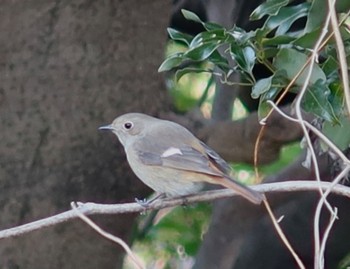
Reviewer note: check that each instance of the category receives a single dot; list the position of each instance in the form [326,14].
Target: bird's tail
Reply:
[251,195]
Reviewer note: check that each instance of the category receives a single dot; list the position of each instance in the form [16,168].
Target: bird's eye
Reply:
[128,125]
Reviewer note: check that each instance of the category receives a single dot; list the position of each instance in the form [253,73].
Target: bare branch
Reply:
[341,53]
[98,209]
[133,258]
[317,132]
[283,236]
[314,60]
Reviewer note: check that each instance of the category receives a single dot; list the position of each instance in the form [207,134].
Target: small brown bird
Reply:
[170,159]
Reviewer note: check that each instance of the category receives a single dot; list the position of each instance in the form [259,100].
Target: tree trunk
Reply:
[69,67]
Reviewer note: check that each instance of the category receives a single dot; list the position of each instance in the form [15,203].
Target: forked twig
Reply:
[133,258]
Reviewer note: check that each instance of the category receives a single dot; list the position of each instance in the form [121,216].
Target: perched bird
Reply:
[170,159]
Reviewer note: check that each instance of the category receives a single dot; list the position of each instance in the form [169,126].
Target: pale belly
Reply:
[170,181]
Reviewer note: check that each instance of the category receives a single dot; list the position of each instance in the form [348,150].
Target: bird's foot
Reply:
[146,203]
[143,202]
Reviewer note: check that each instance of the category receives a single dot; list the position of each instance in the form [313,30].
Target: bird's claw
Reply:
[146,203]
[143,202]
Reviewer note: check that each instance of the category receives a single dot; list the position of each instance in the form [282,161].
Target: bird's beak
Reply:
[106,127]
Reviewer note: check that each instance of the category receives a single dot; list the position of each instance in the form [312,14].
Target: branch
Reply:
[133,258]
[341,53]
[98,209]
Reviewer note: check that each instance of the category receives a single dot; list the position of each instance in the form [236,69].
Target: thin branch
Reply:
[314,59]
[341,53]
[283,236]
[133,258]
[317,132]
[98,209]
[310,63]
[333,218]
[344,75]
[340,176]
[266,203]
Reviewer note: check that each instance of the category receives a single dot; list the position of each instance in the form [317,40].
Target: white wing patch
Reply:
[171,151]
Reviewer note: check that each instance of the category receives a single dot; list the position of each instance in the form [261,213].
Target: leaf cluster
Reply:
[282,45]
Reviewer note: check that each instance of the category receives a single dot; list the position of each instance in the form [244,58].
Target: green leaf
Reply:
[202,52]
[244,57]
[342,6]
[292,14]
[318,12]
[276,81]
[336,97]
[269,53]
[178,36]
[264,107]
[209,26]
[277,40]
[308,39]
[330,67]
[240,36]
[339,133]
[316,15]
[268,8]
[345,33]
[249,58]
[268,89]
[286,17]
[262,86]
[206,37]
[171,62]
[316,101]
[218,60]
[181,72]
[191,16]
[292,61]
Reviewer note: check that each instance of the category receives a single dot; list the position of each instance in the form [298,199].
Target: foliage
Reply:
[277,45]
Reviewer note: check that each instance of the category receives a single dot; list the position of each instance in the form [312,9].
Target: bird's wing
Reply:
[182,158]
[220,163]
[181,150]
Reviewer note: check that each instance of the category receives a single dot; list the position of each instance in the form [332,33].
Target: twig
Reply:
[320,262]
[341,53]
[317,132]
[310,64]
[283,236]
[272,216]
[314,59]
[98,209]
[257,145]
[135,260]
[333,218]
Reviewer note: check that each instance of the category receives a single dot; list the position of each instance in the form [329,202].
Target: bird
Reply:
[171,160]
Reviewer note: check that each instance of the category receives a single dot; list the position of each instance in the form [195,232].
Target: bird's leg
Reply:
[184,200]
[146,203]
